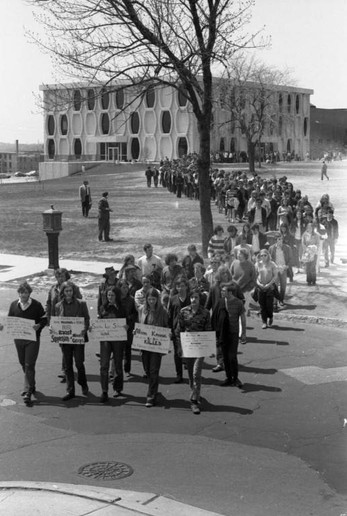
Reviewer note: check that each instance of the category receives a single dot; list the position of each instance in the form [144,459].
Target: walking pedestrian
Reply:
[324,170]
[154,314]
[85,197]
[193,318]
[104,218]
[28,308]
[70,306]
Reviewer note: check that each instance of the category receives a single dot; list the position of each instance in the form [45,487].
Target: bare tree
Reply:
[177,43]
[251,93]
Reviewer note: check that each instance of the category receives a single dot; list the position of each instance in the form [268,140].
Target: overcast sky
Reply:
[308,37]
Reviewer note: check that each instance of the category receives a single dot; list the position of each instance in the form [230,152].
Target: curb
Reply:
[311,319]
[148,504]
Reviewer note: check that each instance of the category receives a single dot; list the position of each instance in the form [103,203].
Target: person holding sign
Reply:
[154,314]
[225,321]
[70,306]
[28,349]
[193,318]
[112,309]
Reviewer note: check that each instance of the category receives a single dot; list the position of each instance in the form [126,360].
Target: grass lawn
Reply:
[140,215]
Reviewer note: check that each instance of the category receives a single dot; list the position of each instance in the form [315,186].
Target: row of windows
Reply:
[135,148]
[104,96]
[105,124]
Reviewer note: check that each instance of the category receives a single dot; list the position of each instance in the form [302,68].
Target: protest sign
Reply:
[198,344]
[20,328]
[67,330]
[151,338]
[109,329]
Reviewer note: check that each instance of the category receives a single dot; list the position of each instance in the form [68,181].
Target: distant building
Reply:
[85,123]
[11,162]
[328,131]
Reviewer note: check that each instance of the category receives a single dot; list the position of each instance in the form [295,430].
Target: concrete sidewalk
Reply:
[43,498]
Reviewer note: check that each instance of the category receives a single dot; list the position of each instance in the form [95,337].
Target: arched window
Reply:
[150,97]
[105,123]
[78,148]
[50,125]
[134,122]
[182,96]
[182,147]
[119,99]
[63,124]
[166,122]
[77,100]
[280,102]
[297,104]
[289,103]
[91,99]
[105,98]
[51,149]
[280,124]
[135,148]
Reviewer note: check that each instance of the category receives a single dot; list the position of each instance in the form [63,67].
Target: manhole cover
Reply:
[106,470]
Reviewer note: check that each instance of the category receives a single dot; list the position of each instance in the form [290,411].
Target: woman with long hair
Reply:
[112,309]
[266,271]
[129,307]
[154,314]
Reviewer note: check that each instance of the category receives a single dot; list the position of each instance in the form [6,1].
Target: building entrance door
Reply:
[113,154]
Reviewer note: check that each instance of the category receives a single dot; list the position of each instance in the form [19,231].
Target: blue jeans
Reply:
[28,351]
[106,350]
[151,363]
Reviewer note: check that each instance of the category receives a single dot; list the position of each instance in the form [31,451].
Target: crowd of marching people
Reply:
[273,232]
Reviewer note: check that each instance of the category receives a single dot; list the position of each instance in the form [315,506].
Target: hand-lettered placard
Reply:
[151,338]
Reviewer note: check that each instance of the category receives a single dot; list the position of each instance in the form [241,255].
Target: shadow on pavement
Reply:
[252,387]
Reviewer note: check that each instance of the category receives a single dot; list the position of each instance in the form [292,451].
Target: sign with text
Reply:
[198,344]
[20,328]
[67,330]
[109,329]
[151,338]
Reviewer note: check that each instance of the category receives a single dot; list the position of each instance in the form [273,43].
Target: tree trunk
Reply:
[251,155]
[204,186]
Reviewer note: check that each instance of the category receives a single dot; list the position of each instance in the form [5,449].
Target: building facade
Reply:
[85,123]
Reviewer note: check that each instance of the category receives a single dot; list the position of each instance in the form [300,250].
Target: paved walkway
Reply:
[36,498]
[43,498]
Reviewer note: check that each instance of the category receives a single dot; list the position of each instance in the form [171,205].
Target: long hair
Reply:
[152,292]
[65,284]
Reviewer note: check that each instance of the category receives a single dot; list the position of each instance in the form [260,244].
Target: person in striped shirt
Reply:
[216,243]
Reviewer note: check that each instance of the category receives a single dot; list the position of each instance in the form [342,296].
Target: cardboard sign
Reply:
[20,328]
[151,338]
[198,344]
[67,330]
[109,329]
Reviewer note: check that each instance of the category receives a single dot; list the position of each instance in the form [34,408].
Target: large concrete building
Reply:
[87,123]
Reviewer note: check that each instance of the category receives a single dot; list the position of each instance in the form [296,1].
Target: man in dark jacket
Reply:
[104,218]
[258,215]
[225,321]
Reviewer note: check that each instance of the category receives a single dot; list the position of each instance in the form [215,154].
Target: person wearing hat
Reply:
[130,272]
[85,197]
[104,218]
[110,280]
